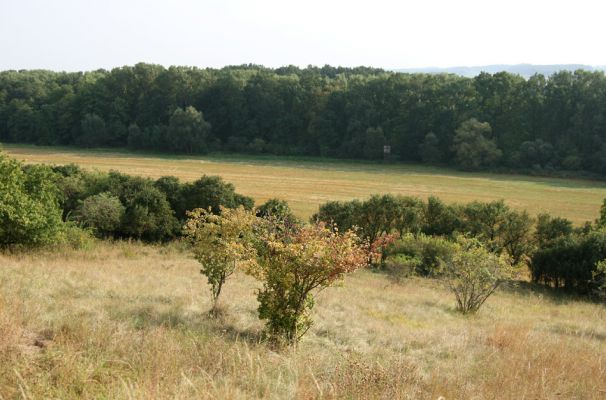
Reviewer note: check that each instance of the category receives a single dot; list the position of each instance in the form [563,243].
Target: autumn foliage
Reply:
[293,266]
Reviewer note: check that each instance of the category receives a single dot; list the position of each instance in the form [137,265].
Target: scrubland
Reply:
[125,320]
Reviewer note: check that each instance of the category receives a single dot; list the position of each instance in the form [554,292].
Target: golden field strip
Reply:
[305,184]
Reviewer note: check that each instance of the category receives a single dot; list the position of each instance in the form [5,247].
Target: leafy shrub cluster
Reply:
[570,258]
[29,205]
[42,205]
[570,262]
[123,206]
[500,228]
[556,253]
[422,254]
[292,262]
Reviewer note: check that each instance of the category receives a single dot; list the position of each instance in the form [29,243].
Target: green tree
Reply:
[473,273]
[29,205]
[278,209]
[472,146]
[516,235]
[601,221]
[173,190]
[147,213]
[94,132]
[550,228]
[213,192]
[440,218]
[188,131]
[374,140]
[101,212]
[430,150]
[599,280]
[221,243]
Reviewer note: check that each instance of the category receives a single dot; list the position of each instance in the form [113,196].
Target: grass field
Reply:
[307,183]
[123,320]
[127,321]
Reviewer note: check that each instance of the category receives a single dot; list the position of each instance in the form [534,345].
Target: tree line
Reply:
[492,121]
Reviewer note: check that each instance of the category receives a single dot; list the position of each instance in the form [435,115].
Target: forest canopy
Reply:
[491,121]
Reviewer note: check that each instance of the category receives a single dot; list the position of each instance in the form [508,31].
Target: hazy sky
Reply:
[91,34]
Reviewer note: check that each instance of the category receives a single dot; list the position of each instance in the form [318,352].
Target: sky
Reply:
[77,35]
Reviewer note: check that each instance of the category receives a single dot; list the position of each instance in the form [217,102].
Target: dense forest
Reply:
[499,121]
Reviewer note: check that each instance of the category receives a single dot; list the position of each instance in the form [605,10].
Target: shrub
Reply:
[380,214]
[29,205]
[440,218]
[293,265]
[549,228]
[473,274]
[220,243]
[429,251]
[213,192]
[344,214]
[173,190]
[599,280]
[569,262]
[499,228]
[279,209]
[379,248]
[515,236]
[147,213]
[102,213]
[76,237]
[401,266]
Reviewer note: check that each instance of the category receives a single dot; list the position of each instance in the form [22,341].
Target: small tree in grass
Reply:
[473,274]
[221,243]
[293,266]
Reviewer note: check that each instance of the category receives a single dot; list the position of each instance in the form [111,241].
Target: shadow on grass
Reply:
[556,296]
[206,323]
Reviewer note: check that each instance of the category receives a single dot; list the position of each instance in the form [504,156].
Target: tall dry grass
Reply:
[126,320]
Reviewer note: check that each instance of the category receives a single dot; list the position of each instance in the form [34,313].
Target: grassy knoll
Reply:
[306,183]
[129,321]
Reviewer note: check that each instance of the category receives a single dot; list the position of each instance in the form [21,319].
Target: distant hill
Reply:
[525,70]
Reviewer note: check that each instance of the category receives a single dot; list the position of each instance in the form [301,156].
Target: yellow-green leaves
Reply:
[473,273]
[221,243]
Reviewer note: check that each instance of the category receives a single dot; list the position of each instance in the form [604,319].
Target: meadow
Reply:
[129,321]
[307,183]
[126,320]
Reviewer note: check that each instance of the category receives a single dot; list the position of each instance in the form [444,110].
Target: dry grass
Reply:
[129,321]
[306,184]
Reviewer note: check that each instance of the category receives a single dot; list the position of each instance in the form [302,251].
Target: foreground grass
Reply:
[129,321]
[306,183]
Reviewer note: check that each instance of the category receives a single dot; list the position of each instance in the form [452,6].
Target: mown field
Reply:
[129,321]
[307,183]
